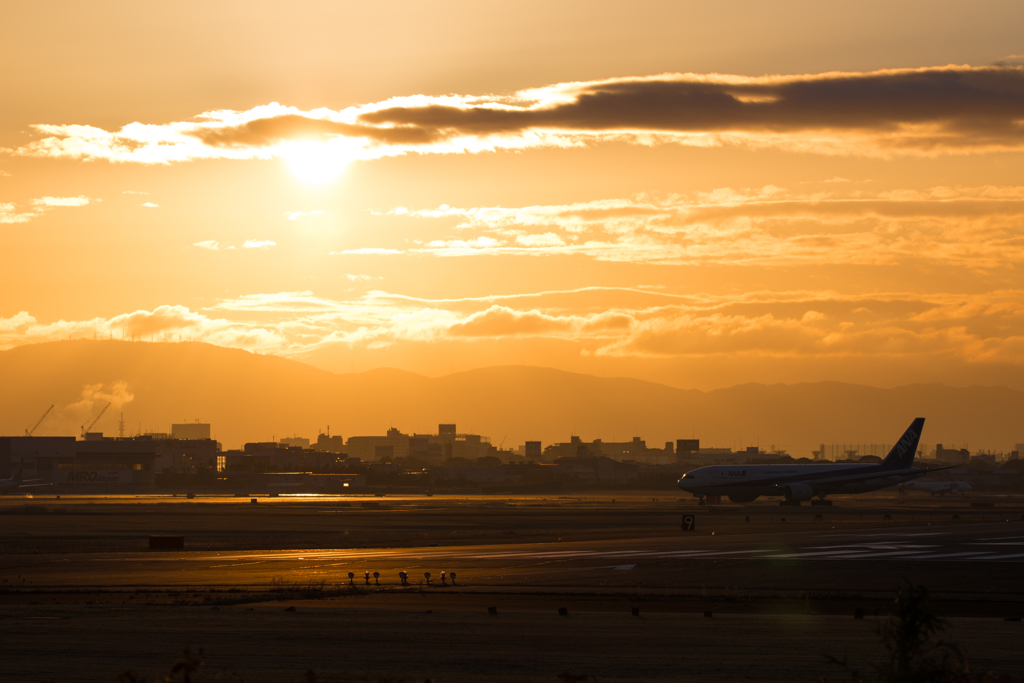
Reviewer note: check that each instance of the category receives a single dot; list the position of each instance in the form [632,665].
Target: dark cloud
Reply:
[985,102]
[267,131]
[911,111]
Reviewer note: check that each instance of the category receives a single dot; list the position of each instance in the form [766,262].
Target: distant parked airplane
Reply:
[938,487]
[796,483]
[16,482]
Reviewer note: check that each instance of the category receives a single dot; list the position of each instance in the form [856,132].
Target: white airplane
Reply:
[796,483]
[938,487]
[16,482]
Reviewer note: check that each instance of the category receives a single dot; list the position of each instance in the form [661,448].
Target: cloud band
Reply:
[928,111]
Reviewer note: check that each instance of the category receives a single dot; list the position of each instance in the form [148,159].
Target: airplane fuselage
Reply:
[794,482]
[940,487]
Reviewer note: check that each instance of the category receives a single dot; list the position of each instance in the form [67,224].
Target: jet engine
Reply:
[797,492]
[743,498]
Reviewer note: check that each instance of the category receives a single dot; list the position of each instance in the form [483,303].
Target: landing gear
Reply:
[701,501]
[822,502]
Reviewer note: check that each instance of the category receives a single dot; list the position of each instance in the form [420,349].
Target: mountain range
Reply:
[252,397]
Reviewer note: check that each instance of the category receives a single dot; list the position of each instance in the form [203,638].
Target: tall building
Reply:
[191,430]
[686,449]
[325,443]
[532,451]
[365,447]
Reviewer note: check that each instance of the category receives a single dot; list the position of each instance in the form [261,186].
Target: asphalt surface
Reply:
[966,559]
[782,601]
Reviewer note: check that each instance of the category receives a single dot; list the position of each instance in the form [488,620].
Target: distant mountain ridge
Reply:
[251,397]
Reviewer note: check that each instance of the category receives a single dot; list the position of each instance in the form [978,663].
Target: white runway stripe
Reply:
[936,556]
[992,543]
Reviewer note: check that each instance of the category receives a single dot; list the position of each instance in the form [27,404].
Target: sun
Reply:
[317,163]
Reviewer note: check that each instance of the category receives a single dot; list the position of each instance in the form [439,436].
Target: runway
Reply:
[781,601]
[986,543]
[966,558]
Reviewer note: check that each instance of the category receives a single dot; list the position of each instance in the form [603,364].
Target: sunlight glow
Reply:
[317,163]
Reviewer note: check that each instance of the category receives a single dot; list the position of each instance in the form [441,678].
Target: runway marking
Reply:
[936,556]
[849,554]
[888,533]
[821,554]
[993,543]
[884,546]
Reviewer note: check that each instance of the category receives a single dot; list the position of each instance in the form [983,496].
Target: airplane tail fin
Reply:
[902,454]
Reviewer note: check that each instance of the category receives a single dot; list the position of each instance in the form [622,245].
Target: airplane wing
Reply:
[944,467]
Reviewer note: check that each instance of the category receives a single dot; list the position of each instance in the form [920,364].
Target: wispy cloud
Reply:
[9,214]
[891,112]
[214,245]
[151,205]
[297,215]
[9,211]
[975,227]
[49,202]
[979,328]
[366,251]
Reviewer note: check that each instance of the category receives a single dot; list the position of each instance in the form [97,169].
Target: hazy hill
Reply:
[250,397]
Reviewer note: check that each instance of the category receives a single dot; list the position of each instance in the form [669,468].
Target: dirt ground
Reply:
[336,643]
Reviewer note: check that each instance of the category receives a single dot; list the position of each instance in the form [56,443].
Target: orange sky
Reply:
[700,194]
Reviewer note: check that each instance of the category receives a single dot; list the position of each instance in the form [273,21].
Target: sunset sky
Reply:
[695,193]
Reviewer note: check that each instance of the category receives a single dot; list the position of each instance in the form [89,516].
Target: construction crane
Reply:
[28,432]
[86,428]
